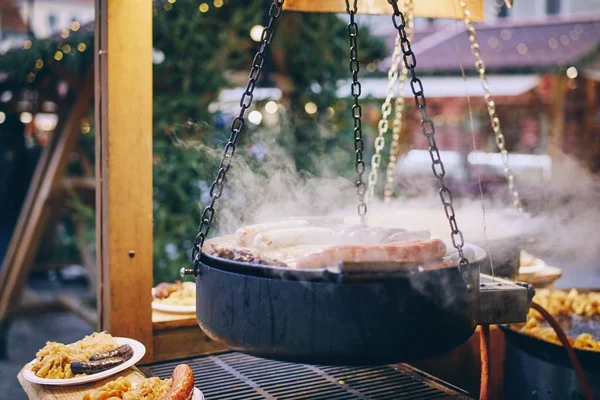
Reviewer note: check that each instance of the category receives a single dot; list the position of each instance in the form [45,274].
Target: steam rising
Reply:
[564,213]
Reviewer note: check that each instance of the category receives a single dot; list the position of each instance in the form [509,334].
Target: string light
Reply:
[203,7]
[172,1]
[330,111]
[572,73]
[30,77]
[271,107]
[310,108]
[39,63]
[255,117]
[58,55]
[522,48]
[218,3]
[27,44]
[66,49]
[75,26]
[85,128]
[256,32]
[6,96]
[26,117]
[553,43]
[64,34]
[168,6]
[81,47]
[2,117]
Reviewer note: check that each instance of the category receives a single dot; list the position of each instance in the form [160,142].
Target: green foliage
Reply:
[201,49]
[204,53]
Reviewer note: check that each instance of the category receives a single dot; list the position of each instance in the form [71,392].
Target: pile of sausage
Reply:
[326,242]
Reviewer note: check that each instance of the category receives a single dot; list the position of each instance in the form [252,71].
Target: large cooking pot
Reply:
[337,316]
[536,369]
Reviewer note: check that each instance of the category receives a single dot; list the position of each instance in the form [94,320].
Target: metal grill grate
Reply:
[236,376]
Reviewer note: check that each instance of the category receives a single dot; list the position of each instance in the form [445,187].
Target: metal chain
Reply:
[399,111]
[383,127]
[491,107]
[356,109]
[216,189]
[428,129]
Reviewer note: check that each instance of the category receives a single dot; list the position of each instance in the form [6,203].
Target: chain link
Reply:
[491,107]
[399,111]
[384,125]
[428,130]
[356,109]
[237,125]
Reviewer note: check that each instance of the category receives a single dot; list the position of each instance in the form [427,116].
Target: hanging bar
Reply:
[422,8]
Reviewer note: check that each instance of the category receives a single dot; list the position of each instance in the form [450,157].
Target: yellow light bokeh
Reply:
[81,47]
[58,55]
[203,7]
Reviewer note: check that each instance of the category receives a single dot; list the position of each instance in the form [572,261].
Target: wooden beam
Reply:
[36,212]
[124,167]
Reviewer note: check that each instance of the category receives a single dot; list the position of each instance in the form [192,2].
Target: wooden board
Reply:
[124,168]
[163,320]
[40,392]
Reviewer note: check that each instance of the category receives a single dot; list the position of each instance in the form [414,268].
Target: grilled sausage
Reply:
[93,367]
[411,251]
[245,236]
[124,351]
[183,384]
[279,238]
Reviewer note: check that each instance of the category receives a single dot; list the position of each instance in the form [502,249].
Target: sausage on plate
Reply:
[183,384]
[410,251]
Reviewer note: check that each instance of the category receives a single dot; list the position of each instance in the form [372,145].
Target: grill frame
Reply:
[238,376]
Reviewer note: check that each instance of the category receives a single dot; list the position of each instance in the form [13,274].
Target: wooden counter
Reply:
[179,336]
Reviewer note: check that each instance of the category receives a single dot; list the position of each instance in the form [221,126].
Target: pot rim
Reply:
[331,274]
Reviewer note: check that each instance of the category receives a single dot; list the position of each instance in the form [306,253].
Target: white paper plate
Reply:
[538,266]
[170,308]
[197,394]
[138,352]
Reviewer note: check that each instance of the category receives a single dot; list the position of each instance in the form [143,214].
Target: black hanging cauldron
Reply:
[336,317]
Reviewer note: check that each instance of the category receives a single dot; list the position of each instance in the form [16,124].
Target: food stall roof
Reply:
[512,46]
[451,86]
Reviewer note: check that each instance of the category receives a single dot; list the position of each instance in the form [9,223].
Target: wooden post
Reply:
[124,167]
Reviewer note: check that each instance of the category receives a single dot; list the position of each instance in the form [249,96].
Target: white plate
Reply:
[538,266]
[158,306]
[197,394]
[138,352]
[170,308]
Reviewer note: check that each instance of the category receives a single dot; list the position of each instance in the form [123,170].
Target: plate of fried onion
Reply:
[178,297]
[179,386]
[95,357]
